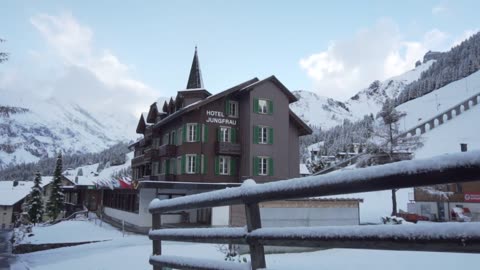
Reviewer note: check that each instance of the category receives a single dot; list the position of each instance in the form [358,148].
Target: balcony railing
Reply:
[167,150]
[227,148]
[454,168]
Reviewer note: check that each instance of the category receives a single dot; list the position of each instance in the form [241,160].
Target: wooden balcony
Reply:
[138,160]
[167,150]
[227,148]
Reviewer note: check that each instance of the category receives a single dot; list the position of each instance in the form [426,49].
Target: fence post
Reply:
[157,244]
[257,252]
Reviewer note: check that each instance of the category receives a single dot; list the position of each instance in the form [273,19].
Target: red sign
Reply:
[472,197]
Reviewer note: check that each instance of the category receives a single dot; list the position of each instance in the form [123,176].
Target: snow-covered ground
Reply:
[133,251]
[72,231]
[433,103]
[446,138]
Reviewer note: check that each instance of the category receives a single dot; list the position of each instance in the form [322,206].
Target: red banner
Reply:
[472,197]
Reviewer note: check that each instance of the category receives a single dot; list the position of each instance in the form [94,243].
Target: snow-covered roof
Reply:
[10,195]
[304,170]
[90,175]
[315,146]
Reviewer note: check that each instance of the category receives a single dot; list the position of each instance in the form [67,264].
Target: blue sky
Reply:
[334,48]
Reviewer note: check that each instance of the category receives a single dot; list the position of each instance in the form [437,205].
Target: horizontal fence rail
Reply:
[452,168]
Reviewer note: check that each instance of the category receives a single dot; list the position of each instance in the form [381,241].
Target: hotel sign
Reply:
[217,117]
[472,197]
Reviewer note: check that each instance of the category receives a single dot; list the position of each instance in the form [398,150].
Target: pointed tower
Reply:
[195,79]
[195,90]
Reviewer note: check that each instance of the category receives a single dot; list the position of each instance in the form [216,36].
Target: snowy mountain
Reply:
[32,128]
[320,111]
[326,112]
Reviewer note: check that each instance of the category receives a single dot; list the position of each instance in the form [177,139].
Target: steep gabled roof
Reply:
[141,125]
[274,80]
[195,77]
[200,103]
[152,113]
[302,126]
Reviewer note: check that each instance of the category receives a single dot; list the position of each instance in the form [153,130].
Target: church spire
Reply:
[195,78]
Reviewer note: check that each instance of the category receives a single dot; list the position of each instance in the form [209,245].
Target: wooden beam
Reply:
[156,244]
[401,174]
[254,222]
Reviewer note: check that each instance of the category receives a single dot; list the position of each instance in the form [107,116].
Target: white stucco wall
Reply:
[220,216]
[285,217]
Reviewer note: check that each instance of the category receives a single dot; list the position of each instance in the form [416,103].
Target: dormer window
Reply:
[232,108]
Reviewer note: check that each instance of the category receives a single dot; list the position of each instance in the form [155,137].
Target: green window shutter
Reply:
[217,165]
[233,166]
[270,135]
[179,135]
[184,133]
[234,135]
[219,134]
[197,132]
[255,166]
[270,166]
[197,163]
[167,166]
[205,133]
[227,107]
[270,107]
[182,165]
[255,105]
[174,139]
[204,168]
[255,134]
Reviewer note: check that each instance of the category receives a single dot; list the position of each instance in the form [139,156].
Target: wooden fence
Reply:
[453,168]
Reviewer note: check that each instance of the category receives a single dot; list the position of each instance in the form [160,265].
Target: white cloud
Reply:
[375,53]
[73,69]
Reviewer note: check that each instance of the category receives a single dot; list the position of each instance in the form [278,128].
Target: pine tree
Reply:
[35,203]
[55,203]
[3,55]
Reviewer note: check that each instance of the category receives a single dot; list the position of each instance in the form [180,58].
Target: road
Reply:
[6,256]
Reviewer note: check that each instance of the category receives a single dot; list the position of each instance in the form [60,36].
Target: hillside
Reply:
[326,112]
[32,128]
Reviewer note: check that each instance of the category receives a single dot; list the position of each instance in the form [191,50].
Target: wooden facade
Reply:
[247,131]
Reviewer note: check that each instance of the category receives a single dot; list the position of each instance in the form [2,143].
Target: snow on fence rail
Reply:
[451,168]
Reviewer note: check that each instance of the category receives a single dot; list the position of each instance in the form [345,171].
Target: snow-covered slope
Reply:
[447,138]
[32,127]
[423,108]
[320,111]
[326,112]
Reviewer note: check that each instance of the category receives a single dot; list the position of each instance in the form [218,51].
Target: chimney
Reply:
[463,147]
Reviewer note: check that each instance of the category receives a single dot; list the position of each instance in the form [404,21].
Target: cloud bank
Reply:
[374,53]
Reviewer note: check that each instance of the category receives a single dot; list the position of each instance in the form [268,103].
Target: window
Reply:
[192,132]
[224,165]
[191,164]
[262,166]
[126,200]
[263,106]
[232,109]
[165,139]
[262,135]
[225,134]
[173,138]
[179,134]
